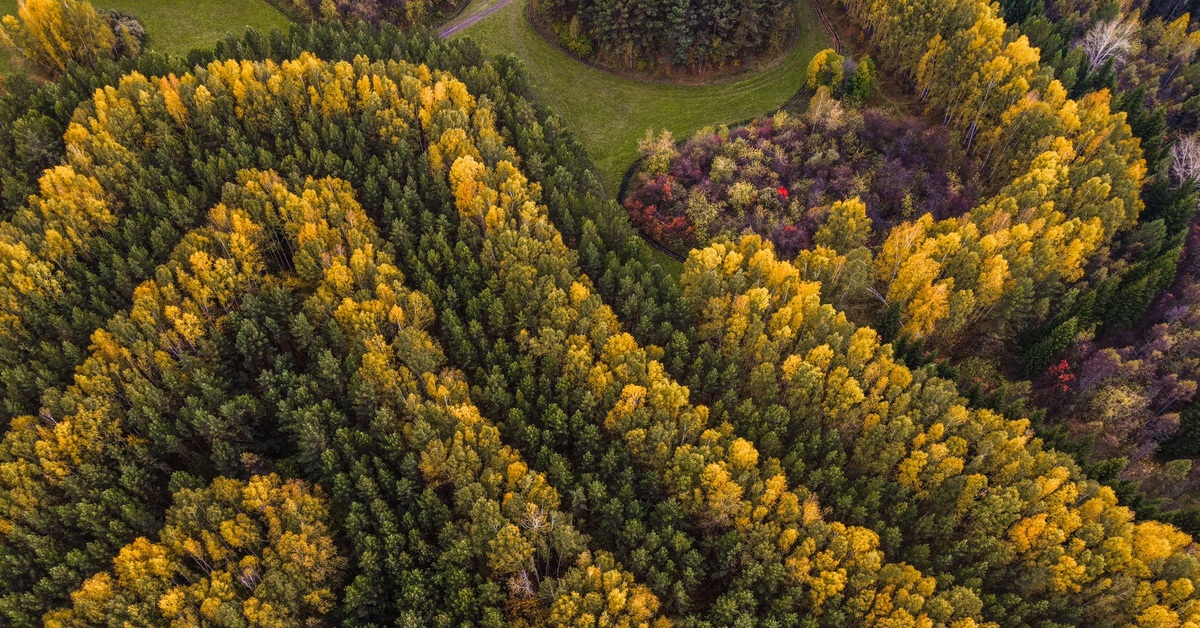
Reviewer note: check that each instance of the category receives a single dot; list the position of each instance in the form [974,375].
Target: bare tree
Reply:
[1185,159]
[1108,40]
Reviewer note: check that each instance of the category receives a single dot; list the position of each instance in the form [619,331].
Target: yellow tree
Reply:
[52,34]
[721,481]
[840,260]
[1043,530]
[826,69]
[256,553]
[602,595]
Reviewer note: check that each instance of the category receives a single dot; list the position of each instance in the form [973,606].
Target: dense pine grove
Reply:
[398,12]
[693,35]
[337,326]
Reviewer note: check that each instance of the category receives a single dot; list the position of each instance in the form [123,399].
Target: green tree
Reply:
[862,82]
[827,68]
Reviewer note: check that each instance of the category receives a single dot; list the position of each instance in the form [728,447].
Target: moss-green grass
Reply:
[177,26]
[610,113]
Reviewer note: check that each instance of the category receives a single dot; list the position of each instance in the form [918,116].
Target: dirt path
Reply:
[467,21]
[833,34]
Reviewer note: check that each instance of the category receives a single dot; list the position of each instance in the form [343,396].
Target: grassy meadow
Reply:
[610,113]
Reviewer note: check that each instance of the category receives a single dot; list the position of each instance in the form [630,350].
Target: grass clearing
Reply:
[177,26]
[610,113]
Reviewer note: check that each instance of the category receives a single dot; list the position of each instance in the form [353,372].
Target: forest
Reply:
[685,34]
[338,325]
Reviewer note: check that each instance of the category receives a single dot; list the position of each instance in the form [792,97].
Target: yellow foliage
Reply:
[52,34]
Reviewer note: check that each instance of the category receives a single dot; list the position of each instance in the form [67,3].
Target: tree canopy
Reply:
[336,327]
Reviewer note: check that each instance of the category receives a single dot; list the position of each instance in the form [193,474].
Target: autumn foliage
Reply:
[337,327]
[52,34]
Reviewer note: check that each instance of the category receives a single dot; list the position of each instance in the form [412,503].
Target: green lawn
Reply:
[180,25]
[610,113]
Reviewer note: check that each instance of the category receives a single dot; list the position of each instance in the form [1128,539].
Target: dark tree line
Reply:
[686,34]
[405,13]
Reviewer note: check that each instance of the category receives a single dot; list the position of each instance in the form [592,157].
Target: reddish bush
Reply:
[899,167]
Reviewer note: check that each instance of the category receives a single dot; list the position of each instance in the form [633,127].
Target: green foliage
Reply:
[916,474]
[827,68]
[406,13]
[611,113]
[345,323]
[862,82]
[1044,351]
[686,34]
[254,343]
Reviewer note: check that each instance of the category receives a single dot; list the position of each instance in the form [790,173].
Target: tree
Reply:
[118,492]
[52,34]
[600,595]
[846,228]
[1108,41]
[691,35]
[862,82]
[257,553]
[944,463]
[827,68]
[719,481]
[1185,159]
